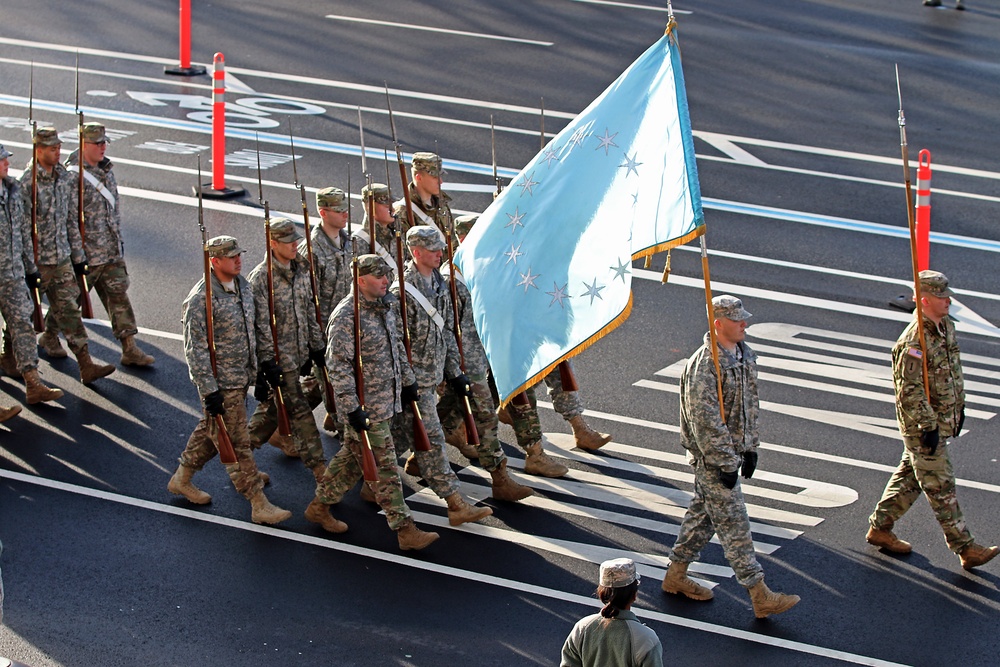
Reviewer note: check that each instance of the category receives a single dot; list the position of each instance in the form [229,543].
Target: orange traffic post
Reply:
[923,224]
[217,188]
[185,68]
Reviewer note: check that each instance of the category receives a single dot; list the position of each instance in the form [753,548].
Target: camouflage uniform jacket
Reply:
[298,331]
[383,356]
[385,235]
[944,369]
[476,363]
[16,250]
[233,316]
[439,211]
[333,268]
[435,354]
[703,432]
[102,221]
[58,227]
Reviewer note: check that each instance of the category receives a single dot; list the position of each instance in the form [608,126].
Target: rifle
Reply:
[85,305]
[226,452]
[36,296]
[323,372]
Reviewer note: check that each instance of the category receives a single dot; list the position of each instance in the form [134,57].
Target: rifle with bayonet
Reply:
[35,280]
[85,305]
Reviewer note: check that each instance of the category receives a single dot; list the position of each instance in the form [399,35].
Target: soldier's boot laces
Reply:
[586,437]
[367,494]
[505,488]
[132,355]
[411,467]
[7,362]
[537,462]
[412,538]
[975,555]
[884,538]
[677,581]
[459,511]
[285,443]
[36,391]
[9,413]
[181,485]
[504,416]
[89,369]
[459,440]
[262,511]
[766,602]
[318,512]
[49,342]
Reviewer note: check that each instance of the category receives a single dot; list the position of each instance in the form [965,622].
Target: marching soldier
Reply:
[928,418]
[385,226]
[20,351]
[719,450]
[103,242]
[223,392]
[430,203]
[61,256]
[388,380]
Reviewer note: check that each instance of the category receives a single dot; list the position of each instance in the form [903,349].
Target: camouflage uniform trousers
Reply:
[566,403]
[451,411]
[18,333]
[933,476]
[345,470]
[60,286]
[312,389]
[305,435]
[110,281]
[202,448]
[526,424]
[714,509]
[434,465]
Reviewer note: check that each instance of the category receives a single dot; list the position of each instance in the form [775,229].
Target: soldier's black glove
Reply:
[33,280]
[461,385]
[749,464]
[358,419]
[930,439]
[306,367]
[961,422]
[729,479]
[272,373]
[318,357]
[261,390]
[81,268]
[409,393]
[214,404]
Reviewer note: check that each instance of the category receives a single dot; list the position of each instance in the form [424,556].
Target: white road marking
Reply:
[446,31]
[628,5]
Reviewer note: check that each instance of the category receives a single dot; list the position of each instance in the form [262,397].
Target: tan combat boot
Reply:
[181,485]
[9,413]
[676,581]
[285,444]
[132,355]
[460,512]
[262,511]
[411,467]
[766,602]
[318,512]
[90,371]
[975,555]
[367,494]
[505,488]
[412,538]
[884,538]
[49,342]
[586,437]
[537,462]
[460,441]
[7,362]
[36,391]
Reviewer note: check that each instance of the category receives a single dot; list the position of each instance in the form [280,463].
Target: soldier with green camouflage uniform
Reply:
[928,417]
[223,390]
[430,204]
[61,257]
[385,226]
[20,351]
[719,450]
[388,379]
[103,242]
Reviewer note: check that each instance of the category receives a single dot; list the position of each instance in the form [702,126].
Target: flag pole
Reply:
[711,325]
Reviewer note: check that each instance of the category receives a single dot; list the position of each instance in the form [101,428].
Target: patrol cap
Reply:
[332,198]
[618,572]
[47,136]
[729,307]
[424,236]
[934,283]
[373,265]
[464,223]
[284,230]
[4,153]
[93,133]
[379,191]
[224,246]
[429,163]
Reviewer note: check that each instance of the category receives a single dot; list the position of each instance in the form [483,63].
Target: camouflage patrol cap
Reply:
[47,136]
[284,230]
[934,283]
[618,573]
[224,246]
[379,191]
[332,198]
[4,153]
[93,133]
[429,163]
[729,307]
[464,223]
[373,265]
[424,236]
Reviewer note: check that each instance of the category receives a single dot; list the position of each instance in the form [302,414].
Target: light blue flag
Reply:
[549,262]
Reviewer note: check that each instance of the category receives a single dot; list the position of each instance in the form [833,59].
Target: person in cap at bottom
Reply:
[719,451]
[929,418]
[614,637]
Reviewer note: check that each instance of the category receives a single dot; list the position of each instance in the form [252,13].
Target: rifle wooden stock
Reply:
[36,298]
[86,306]
[566,377]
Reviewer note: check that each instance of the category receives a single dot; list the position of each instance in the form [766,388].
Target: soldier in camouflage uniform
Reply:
[435,359]
[20,351]
[61,258]
[388,379]
[719,450]
[300,343]
[430,204]
[103,242]
[223,390]
[928,418]
[385,227]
